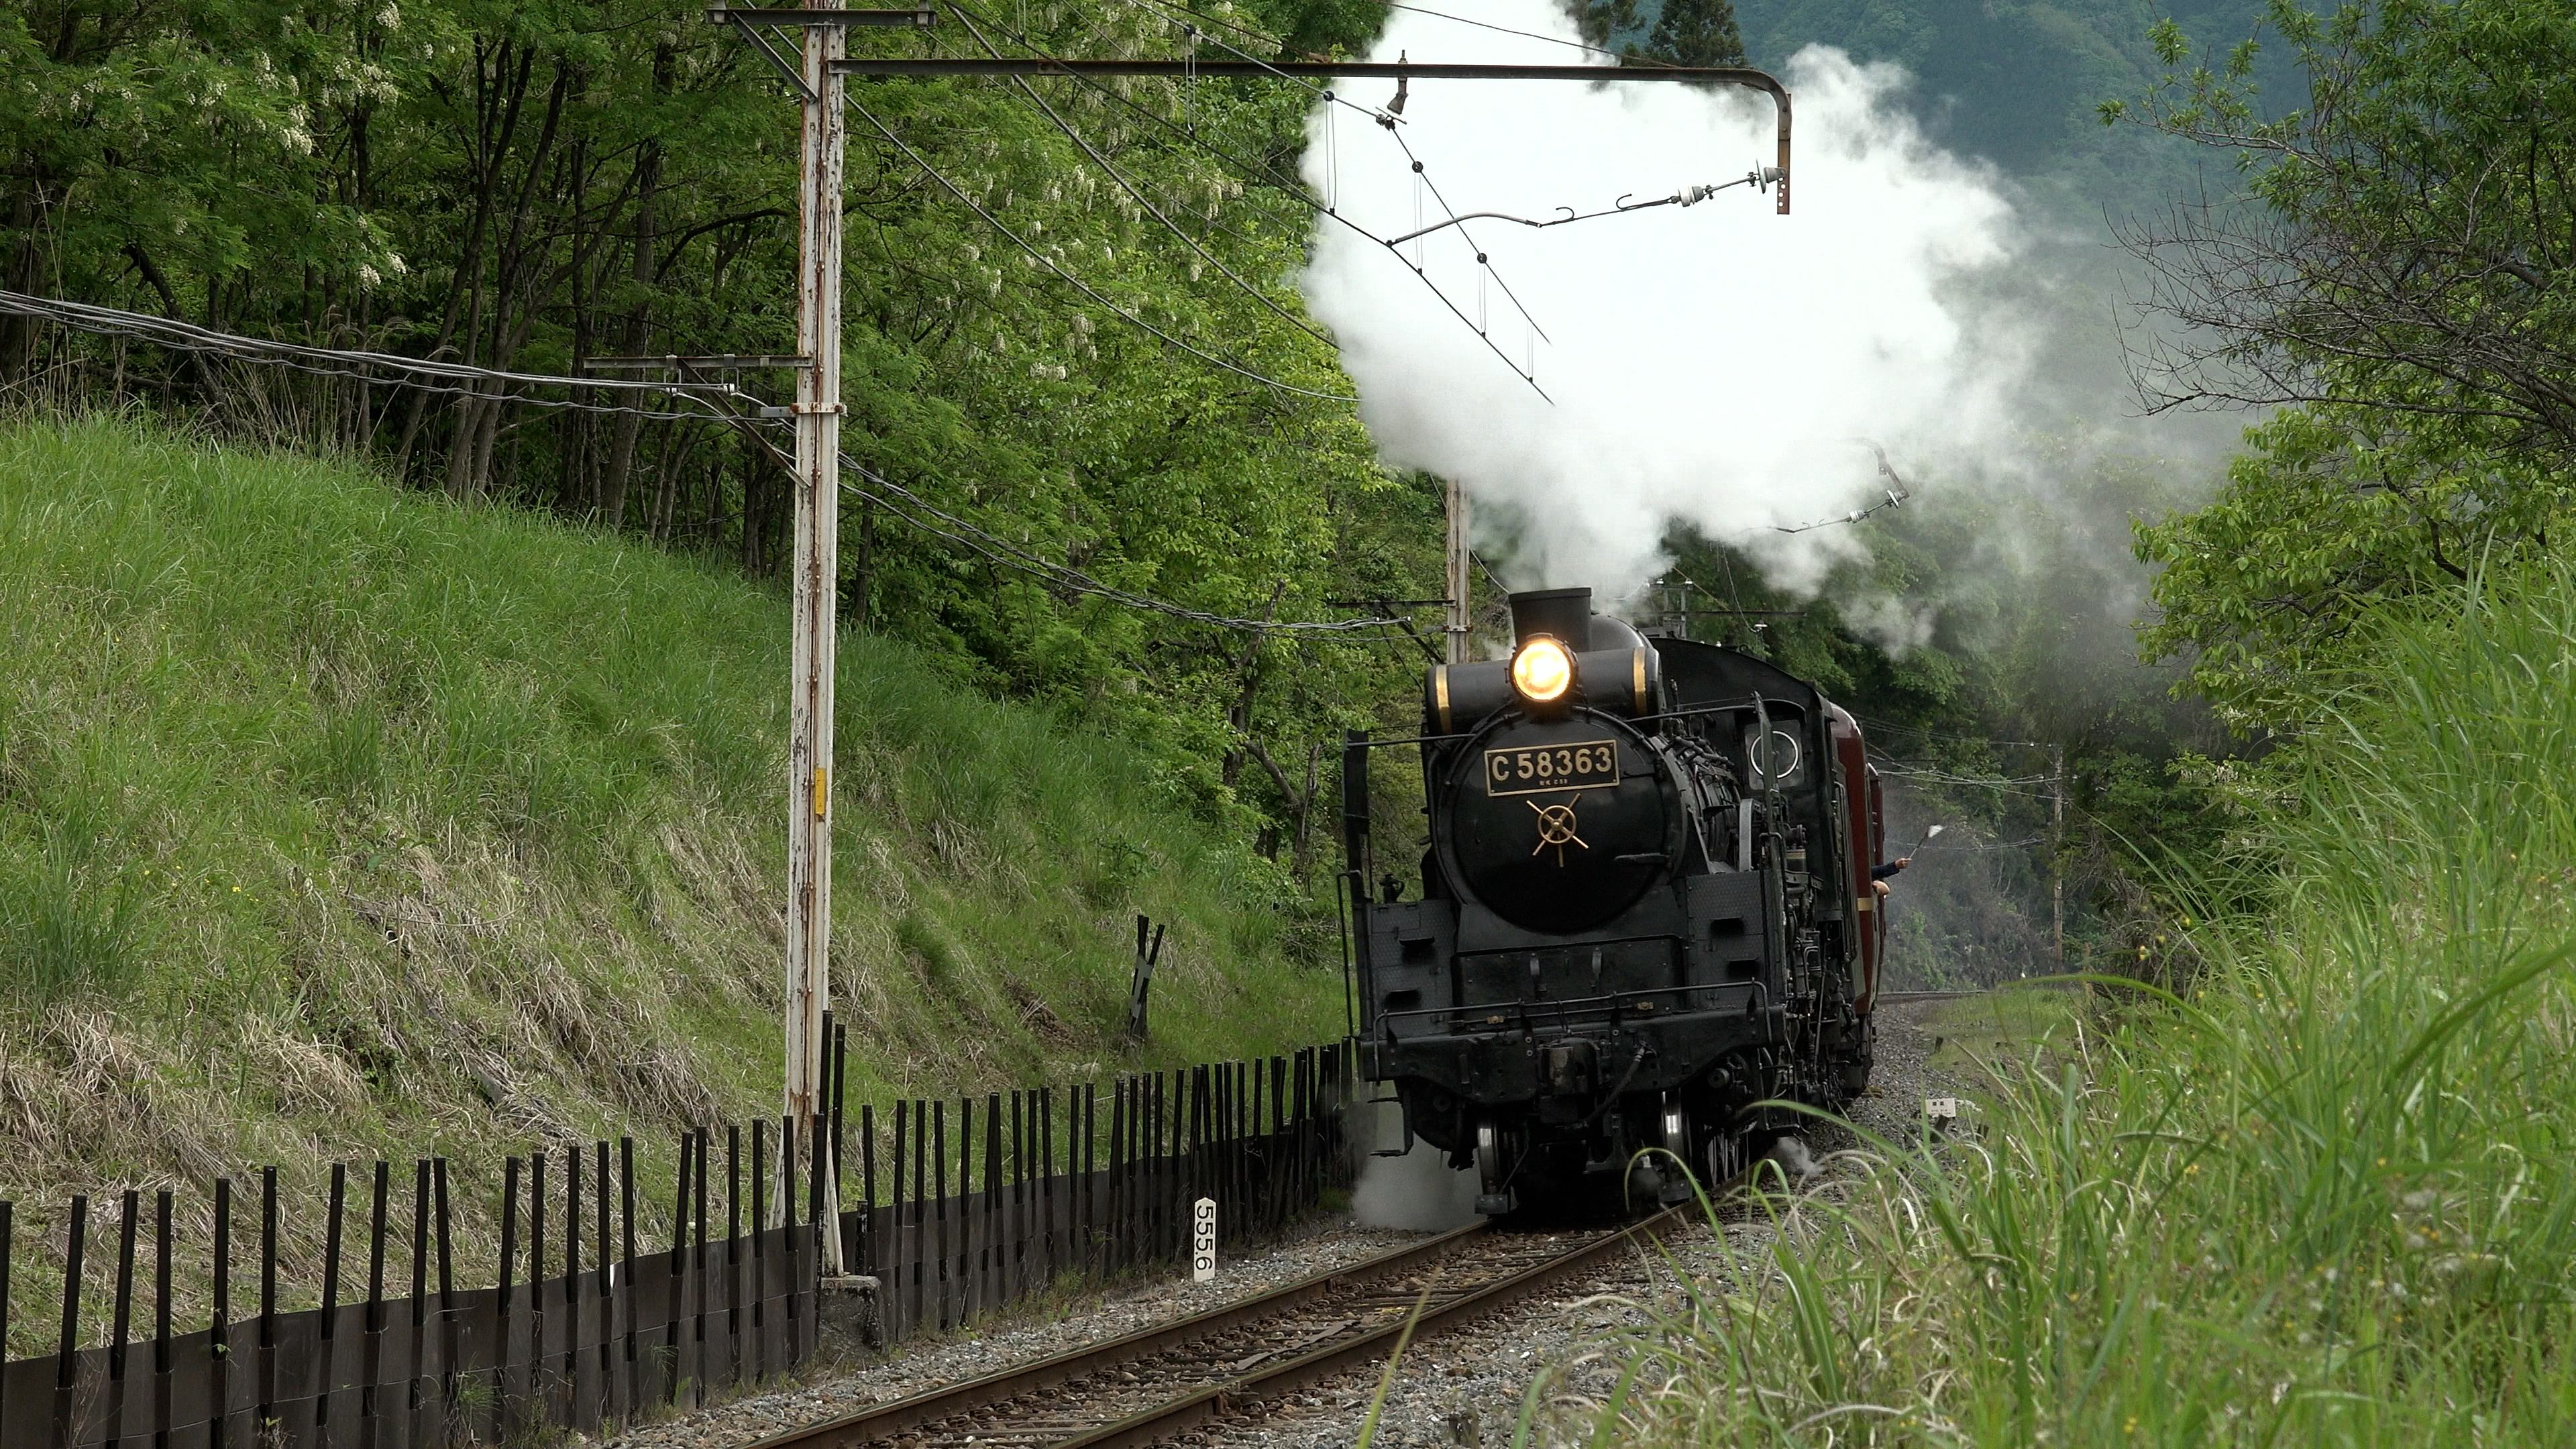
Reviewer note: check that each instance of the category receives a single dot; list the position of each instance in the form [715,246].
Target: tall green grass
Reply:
[2326,1198]
[337,820]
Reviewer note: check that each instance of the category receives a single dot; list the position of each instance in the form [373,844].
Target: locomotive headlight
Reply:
[1542,671]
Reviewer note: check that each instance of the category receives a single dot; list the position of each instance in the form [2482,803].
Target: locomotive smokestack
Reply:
[1564,615]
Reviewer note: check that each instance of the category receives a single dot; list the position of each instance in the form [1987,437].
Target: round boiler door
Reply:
[1558,825]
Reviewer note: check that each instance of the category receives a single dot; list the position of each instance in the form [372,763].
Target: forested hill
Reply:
[2020,81]
[1072,326]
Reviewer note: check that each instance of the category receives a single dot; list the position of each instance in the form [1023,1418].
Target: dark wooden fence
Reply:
[1090,1181]
[582,1325]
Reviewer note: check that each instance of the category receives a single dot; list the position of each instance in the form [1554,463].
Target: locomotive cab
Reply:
[1641,911]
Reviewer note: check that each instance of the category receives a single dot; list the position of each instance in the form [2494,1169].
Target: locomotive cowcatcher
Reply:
[1645,918]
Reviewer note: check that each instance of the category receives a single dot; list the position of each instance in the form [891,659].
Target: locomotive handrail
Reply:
[1754,702]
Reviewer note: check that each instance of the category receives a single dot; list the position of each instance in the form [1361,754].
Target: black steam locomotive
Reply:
[1646,908]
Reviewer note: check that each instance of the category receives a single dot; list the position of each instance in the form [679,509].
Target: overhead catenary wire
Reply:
[1050,263]
[1527,374]
[1461,224]
[1294,190]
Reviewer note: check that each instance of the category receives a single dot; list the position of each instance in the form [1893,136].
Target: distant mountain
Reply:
[2016,81]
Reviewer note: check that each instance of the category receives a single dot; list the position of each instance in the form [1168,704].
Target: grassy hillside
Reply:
[336,820]
[2330,1198]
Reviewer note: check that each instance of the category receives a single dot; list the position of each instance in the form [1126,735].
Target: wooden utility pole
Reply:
[1458,562]
[817,596]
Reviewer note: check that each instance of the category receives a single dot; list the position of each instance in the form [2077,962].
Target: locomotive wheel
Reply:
[1493,1198]
[1676,1187]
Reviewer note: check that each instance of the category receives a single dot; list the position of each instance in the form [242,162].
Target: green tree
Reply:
[1697,32]
[1071,324]
[2398,273]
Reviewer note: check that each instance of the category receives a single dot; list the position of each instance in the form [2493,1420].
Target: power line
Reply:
[421,374]
[1078,284]
[1525,34]
[1946,777]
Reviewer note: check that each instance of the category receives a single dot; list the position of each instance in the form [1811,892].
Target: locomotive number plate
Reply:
[1540,769]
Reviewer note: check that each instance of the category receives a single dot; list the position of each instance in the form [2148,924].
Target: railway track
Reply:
[1227,1365]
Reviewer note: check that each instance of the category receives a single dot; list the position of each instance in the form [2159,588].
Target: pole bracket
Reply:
[792,74]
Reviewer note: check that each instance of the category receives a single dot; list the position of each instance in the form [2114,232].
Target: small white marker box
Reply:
[1941,1107]
[1203,1241]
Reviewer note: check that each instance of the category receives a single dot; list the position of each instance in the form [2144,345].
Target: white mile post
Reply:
[1203,1240]
[816,586]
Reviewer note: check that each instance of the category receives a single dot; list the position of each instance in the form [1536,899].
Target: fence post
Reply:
[446,1287]
[939,1184]
[670,1391]
[219,1400]
[924,1278]
[374,1324]
[760,1243]
[7,1245]
[536,1375]
[66,1359]
[1044,1191]
[893,1260]
[696,1262]
[733,1247]
[607,1283]
[419,1295]
[127,1205]
[1015,1274]
[1086,1214]
[868,1204]
[819,1219]
[571,1284]
[840,1081]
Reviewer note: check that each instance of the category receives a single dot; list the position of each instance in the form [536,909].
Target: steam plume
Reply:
[1712,364]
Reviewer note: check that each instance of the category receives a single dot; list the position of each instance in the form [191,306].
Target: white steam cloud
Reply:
[1418,1192]
[1714,364]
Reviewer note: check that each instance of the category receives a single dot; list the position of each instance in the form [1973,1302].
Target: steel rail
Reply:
[1179,1416]
[882,1423]
[885,1421]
